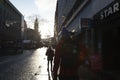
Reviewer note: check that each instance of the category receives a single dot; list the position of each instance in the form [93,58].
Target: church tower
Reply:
[36,24]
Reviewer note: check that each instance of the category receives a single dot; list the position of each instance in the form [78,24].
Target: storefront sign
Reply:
[110,10]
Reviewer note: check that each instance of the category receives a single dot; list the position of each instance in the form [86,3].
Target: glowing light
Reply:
[43,73]
[47,30]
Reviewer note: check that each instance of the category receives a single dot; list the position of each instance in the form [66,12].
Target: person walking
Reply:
[67,59]
[50,55]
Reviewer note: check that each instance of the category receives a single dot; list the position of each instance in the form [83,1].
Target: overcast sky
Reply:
[45,9]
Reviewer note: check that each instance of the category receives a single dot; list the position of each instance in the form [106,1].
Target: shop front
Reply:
[107,36]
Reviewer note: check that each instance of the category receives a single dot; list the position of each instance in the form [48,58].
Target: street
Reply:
[31,65]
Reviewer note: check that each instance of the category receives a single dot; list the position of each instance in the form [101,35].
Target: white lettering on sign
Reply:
[110,10]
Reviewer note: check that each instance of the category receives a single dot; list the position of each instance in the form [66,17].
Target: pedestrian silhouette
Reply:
[66,58]
[50,55]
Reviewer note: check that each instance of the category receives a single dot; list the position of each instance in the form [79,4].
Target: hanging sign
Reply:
[86,23]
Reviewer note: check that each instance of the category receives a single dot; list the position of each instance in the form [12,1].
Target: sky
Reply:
[43,9]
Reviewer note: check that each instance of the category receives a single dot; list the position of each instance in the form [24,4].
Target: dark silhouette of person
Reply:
[50,55]
[65,72]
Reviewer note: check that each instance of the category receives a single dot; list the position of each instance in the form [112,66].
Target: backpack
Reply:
[70,54]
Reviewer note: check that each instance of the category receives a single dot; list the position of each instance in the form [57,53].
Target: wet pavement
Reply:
[31,65]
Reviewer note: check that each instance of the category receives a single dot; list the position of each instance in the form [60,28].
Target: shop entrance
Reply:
[107,36]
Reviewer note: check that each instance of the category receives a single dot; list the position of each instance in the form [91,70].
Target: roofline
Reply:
[14,7]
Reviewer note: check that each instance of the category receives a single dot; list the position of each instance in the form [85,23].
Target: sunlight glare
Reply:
[43,74]
[47,29]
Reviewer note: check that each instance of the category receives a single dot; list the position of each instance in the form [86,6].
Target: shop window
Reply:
[87,38]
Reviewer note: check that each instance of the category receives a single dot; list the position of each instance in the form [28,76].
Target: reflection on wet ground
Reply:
[43,73]
[31,65]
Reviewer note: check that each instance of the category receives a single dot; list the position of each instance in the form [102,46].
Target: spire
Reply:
[36,24]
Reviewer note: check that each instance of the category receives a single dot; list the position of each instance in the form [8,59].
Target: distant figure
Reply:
[66,58]
[50,55]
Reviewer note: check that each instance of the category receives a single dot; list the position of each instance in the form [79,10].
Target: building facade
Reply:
[32,37]
[98,23]
[11,25]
